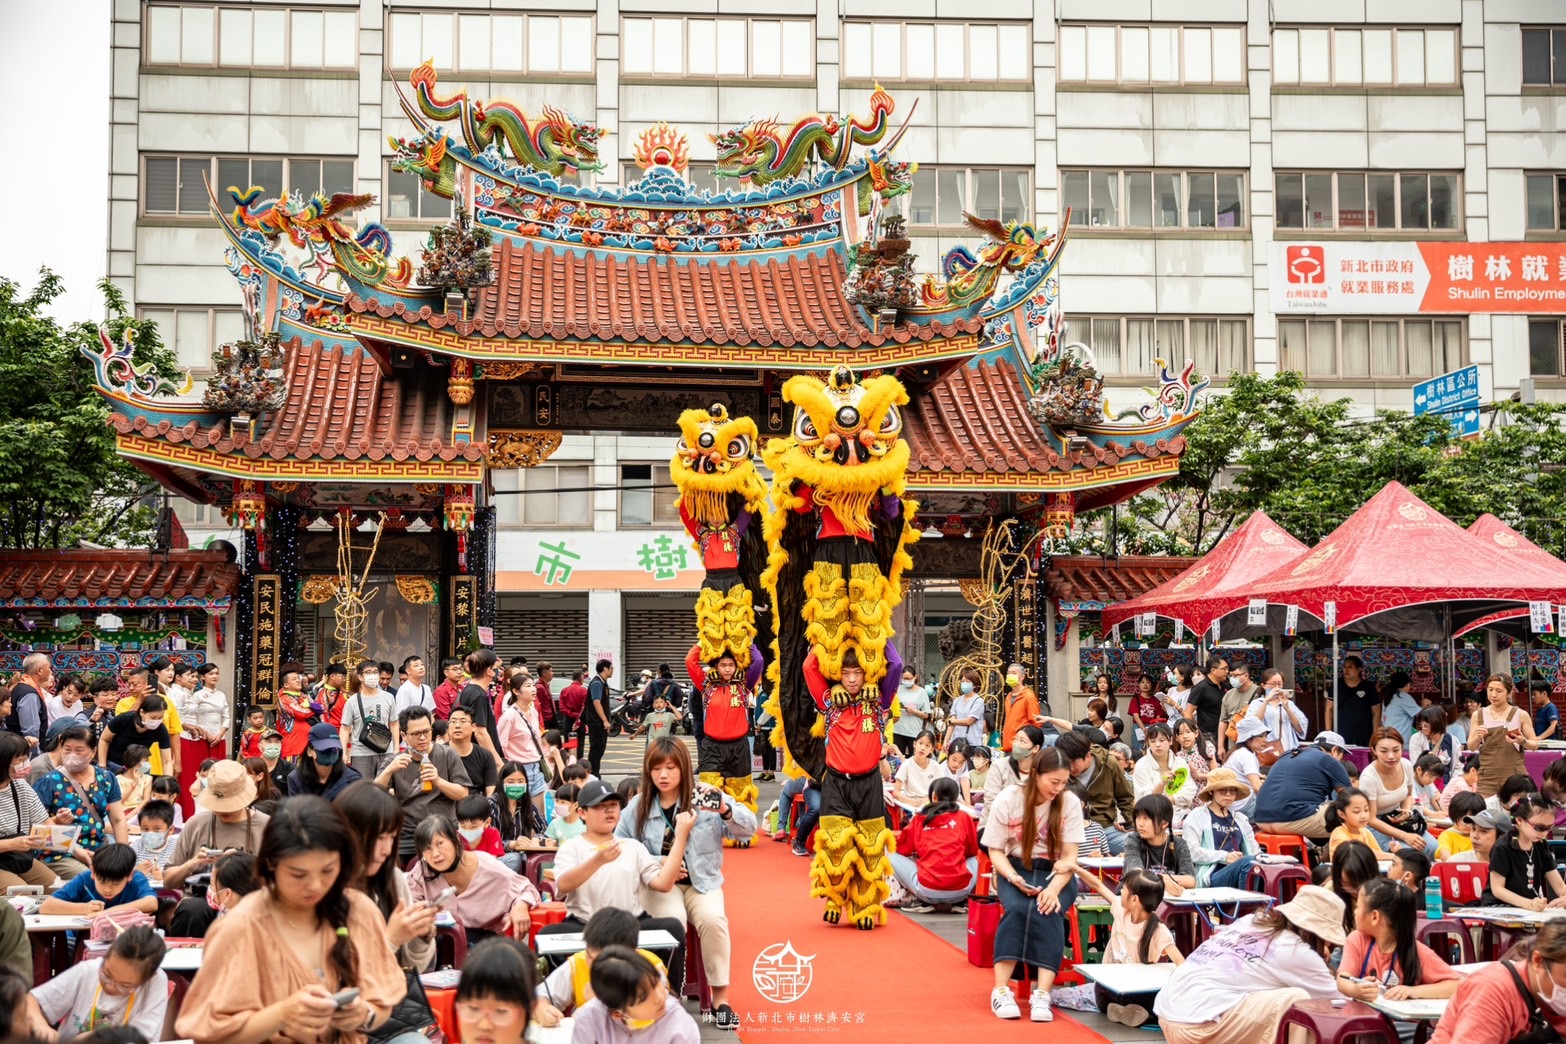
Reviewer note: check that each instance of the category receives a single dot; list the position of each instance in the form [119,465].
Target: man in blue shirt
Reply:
[1299,786]
[114,882]
[1546,717]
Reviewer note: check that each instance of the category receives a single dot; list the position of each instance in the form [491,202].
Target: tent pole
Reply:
[1451,657]
[1332,682]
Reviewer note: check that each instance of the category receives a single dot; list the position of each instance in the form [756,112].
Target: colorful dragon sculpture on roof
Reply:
[969,280]
[314,225]
[554,144]
[760,152]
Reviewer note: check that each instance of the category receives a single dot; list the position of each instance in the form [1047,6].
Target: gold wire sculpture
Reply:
[353,614]
[999,568]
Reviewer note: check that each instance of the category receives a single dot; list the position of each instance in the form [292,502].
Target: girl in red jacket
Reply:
[937,857]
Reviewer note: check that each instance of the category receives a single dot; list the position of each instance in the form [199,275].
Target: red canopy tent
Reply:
[1397,566]
[1492,530]
[1213,586]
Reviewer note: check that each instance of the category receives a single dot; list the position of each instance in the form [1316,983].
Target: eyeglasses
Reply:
[503,1015]
[116,987]
[421,734]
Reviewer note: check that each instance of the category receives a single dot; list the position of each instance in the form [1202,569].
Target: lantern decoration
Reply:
[1059,513]
[248,512]
[460,508]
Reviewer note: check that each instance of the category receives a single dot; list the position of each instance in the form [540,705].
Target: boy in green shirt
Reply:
[659,722]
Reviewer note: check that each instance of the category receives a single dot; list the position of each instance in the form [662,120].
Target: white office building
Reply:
[1369,191]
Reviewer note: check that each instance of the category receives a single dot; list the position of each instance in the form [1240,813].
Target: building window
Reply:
[647,496]
[1127,346]
[698,174]
[941,194]
[1546,194]
[493,43]
[931,51]
[1546,346]
[1370,348]
[1369,202]
[1365,57]
[1544,57]
[193,333]
[556,496]
[171,185]
[719,48]
[237,37]
[1143,54]
[406,199]
[1155,198]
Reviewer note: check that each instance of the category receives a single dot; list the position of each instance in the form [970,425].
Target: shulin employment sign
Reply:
[1455,396]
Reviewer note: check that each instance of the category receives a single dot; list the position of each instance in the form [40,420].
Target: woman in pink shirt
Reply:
[490,899]
[521,735]
[1510,998]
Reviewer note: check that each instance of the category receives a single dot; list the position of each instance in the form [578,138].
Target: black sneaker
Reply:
[799,849]
[725,1017]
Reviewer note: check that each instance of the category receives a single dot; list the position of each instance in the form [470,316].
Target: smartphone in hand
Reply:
[343,998]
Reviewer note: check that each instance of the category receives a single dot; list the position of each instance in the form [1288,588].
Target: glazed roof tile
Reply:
[1095,579]
[340,407]
[975,420]
[142,578]
[788,299]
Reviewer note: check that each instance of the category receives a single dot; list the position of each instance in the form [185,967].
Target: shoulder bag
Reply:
[17,862]
[372,734]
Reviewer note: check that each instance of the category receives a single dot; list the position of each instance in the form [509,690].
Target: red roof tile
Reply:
[106,579]
[975,420]
[340,407]
[776,299]
[1094,579]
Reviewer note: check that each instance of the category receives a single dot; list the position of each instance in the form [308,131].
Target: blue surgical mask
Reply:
[144,768]
[471,834]
[153,838]
[328,757]
[966,687]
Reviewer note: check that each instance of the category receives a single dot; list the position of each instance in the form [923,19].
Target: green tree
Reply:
[61,480]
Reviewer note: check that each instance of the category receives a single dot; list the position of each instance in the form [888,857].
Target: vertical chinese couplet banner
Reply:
[266,648]
[464,612]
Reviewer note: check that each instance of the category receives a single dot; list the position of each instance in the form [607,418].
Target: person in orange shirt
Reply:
[1022,705]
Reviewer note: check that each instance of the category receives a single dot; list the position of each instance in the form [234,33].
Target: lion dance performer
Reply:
[839,543]
[721,500]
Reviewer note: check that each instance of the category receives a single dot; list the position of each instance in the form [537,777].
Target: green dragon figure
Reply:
[758,151]
[554,144]
[313,225]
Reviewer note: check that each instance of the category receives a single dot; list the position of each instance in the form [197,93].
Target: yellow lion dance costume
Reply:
[721,502]
[838,538]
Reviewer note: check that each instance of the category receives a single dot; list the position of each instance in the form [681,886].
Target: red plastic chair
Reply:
[1328,1024]
[1279,880]
[453,940]
[1462,884]
[1440,934]
[544,914]
[696,987]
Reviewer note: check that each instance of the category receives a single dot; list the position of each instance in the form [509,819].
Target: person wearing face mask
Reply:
[136,780]
[153,845]
[20,810]
[226,822]
[143,727]
[233,878]
[490,899]
[1022,705]
[966,718]
[277,769]
[1522,998]
[321,769]
[631,1002]
[370,704]
[1012,769]
[916,715]
[125,987]
[82,795]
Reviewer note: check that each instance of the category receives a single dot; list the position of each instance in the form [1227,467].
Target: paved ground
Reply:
[623,757]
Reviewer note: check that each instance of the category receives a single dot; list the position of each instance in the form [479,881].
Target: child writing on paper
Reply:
[1456,841]
[1522,870]
[1136,936]
[1381,957]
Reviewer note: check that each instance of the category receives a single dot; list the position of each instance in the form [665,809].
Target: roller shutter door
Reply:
[556,633]
[654,636]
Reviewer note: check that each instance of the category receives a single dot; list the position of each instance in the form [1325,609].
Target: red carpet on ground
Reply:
[899,981]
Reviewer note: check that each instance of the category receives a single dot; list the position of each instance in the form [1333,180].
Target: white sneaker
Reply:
[1004,1003]
[1038,1007]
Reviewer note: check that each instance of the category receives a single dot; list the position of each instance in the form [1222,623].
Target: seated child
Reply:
[568,818]
[474,826]
[1465,781]
[233,878]
[114,881]
[1516,786]
[136,780]
[577,772]
[1522,869]
[203,778]
[555,759]
[631,994]
[569,986]
[498,977]
[1095,843]
[1136,936]
[937,854]
[1352,808]
[166,788]
[1409,868]
[1489,828]
[1456,840]
[1427,770]
[124,987]
[156,840]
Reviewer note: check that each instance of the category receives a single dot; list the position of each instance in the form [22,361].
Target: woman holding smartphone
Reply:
[305,954]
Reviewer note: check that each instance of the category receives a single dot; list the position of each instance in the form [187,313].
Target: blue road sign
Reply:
[1455,396]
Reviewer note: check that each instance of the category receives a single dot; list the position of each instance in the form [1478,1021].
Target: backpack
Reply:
[573,701]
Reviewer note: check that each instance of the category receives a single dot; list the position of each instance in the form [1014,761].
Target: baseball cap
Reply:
[324,737]
[1491,819]
[57,728]
[595,792]
[1328,738]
